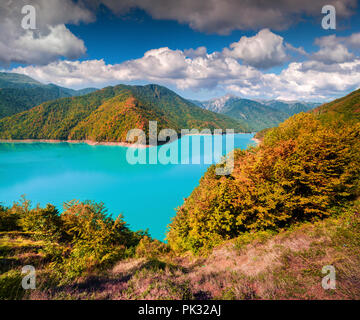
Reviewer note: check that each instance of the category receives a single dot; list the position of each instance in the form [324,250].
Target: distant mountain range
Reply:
[290,107]
[259,114]
[108,114]
[19,93]
[74,118]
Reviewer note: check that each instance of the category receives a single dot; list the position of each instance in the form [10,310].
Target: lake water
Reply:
[146,195]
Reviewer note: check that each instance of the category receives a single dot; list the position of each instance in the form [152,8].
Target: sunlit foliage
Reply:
[303,169]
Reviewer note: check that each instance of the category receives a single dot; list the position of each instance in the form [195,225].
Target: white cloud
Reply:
[332,71]
[50,40]
[310,80]
[161,65]
[332,50]
[59,42]
[354,40]
[318,84]
[299,50]
[333,54]
[199,52]
[264,50]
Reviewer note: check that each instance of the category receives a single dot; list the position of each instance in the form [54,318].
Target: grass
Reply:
[263,265]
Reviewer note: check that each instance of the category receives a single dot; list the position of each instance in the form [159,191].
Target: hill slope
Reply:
[304,170]
[257,115]
[108,114]
[290,208]
[290,107]
[19,93]
[346,108]
[16,80]
[259,265]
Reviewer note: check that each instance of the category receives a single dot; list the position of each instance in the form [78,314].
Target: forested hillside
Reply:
[108,114]
[258,115]
[346,108]
[304,170]
[290,207]
[291,107]
[19,93]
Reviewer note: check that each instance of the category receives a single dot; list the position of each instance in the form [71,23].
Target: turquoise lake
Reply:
[147,195]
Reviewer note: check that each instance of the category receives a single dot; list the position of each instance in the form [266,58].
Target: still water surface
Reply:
[146,195]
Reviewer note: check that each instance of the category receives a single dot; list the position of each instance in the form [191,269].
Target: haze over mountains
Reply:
[259,114]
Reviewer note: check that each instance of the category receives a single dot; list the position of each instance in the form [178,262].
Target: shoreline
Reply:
[98,143]
[88,142]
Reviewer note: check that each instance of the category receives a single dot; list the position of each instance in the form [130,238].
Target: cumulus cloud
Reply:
[50,40]
[224,16]
[199,52]
[332,50]
[161,65]
[264,50]
[296,82]
[354,40]
[58,42]
[333,54]
[301,51]
[197,69]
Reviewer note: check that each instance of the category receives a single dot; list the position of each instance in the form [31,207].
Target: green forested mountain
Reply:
[306,169]
[257,115]
[19,93]
[108,114]
[290,107]
[16,80]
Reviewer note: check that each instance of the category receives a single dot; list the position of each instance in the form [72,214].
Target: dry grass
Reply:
[257,266]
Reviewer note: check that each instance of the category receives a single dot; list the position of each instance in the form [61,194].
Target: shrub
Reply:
[10,286]
[97,240]
[151,248]
[81,239]
[9,221]
[45,223]
[302,170]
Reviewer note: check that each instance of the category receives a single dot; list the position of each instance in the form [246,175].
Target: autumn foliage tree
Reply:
[302,170]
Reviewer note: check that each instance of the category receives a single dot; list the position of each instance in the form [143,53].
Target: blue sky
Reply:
[120,38]
[277,51]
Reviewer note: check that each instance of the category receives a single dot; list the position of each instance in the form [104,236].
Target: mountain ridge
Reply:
[106,115]
[19,93]
[259,114]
